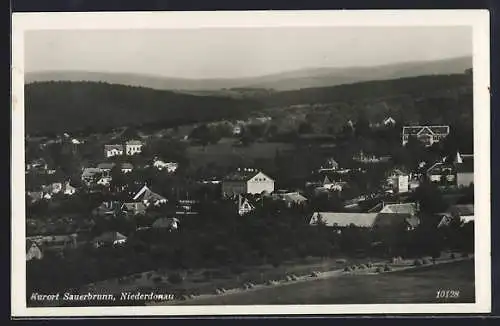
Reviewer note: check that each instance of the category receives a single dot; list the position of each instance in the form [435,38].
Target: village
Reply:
[91,194]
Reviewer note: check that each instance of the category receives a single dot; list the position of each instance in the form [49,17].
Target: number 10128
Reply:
[447,294]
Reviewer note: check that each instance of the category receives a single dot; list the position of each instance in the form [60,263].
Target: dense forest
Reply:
[70,106]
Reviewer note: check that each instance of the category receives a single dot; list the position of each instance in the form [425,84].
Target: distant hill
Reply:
[70,106]
[304,78]
[414,87]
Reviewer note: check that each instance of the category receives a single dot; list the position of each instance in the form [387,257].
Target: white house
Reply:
[126,167]
[133,147]
[113,150]
[68,189]
[389,121]
[428,135]
[170,167]
[246,181]
[399,181]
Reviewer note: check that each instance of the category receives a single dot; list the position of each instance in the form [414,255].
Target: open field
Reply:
[408,286]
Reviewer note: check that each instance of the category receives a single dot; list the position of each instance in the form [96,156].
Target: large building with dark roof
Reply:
[246,181]
[428,135]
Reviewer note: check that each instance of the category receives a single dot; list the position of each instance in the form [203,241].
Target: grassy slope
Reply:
[411,286]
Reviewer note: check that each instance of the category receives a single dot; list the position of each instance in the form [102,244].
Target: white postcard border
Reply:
[477,19]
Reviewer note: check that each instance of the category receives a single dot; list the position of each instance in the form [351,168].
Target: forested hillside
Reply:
[68,106]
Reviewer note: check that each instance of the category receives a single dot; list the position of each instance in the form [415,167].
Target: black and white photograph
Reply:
[250,163]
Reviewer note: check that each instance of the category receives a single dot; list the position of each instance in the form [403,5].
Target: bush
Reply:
[417,262]
[452,256]
[426,261]
[362,266]
[175,278]
[465,255]
[387,268]
[379,269]
[347,269]
[157,279]
[369,265]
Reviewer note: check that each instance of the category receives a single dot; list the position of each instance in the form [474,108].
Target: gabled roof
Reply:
[146,194]
[405,208]
[394,219]
[438,168]
[134,142]
[89,172]
[106,165]
[243,175]
[294,197]
[127,166]
[113,146]
[344,219]
[415,130]
[134,206]
[110,237]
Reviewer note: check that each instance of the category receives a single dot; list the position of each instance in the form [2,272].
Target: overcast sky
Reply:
[233,53]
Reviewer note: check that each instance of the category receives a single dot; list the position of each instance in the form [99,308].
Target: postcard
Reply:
[250,163]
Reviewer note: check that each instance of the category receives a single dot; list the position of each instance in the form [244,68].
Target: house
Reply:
[55,242]
[33,251]
[389,122]
[399,181]
[291,198]
[134,208]
[170,167]
[428,135]
[169,223]
[440,171]
[149,197]
[462,213]
[38,164]
[68,189]
[343,220]
[54,188]
[244,205]
[133,147]
[329,165]
[106,167]
[333,185]
[126,167]
[246,181]
[91,175]
[402,215]
[110,238]
[464,166]
[113,150]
